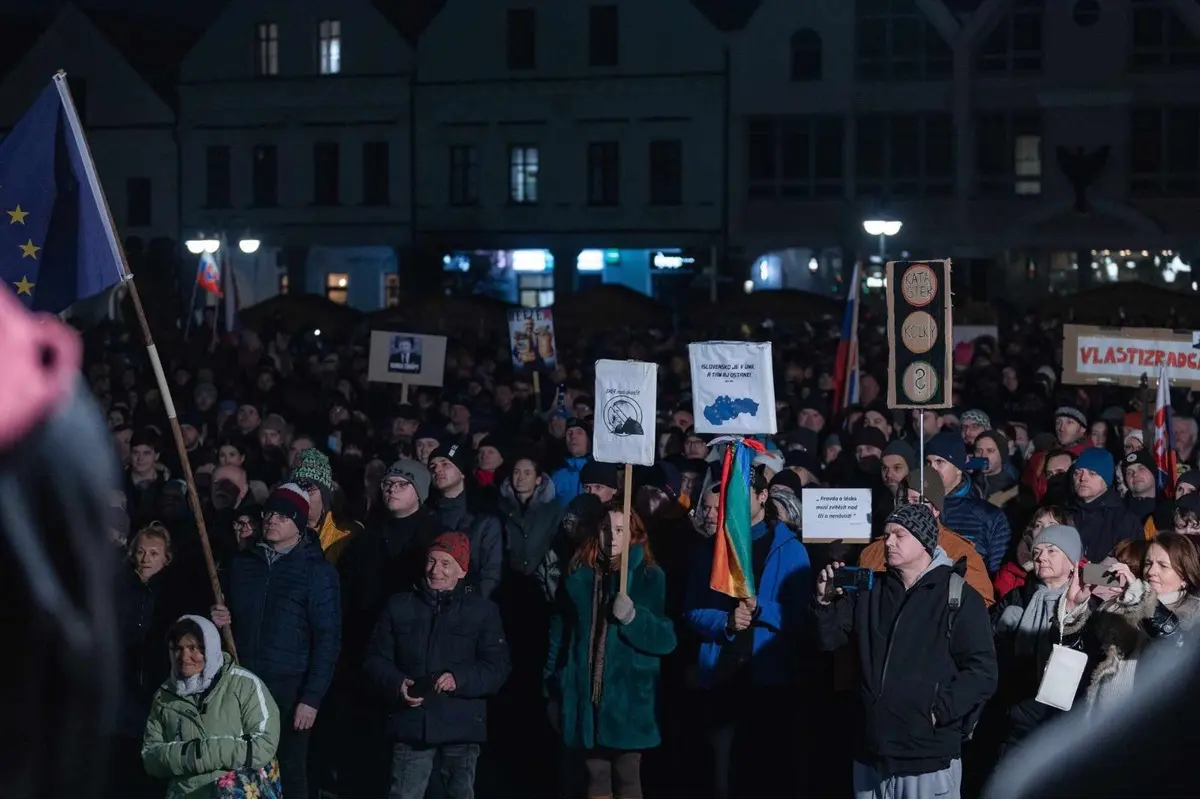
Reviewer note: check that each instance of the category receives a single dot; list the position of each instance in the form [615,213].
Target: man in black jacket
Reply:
[927,661]
[437,654]
[459,510]
[1102,519]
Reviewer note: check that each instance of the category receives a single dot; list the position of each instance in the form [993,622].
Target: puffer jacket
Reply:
[965,512]
[566,479]
[529,528]
[287,617]
[484,533]
[194,740]
[1103,523]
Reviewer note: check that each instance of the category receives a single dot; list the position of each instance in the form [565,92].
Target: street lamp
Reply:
[882,228]
[249,246]
[198,246]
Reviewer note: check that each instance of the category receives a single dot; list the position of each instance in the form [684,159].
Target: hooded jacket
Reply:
[566,478]
[193,740]
[926,670]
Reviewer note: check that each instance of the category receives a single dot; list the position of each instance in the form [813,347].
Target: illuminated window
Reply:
[1028,158]
[337,287]
[536,290]
[391,290]
[523,174]
[330,38]
[267,48]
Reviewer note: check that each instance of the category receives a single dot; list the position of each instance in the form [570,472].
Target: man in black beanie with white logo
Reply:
[459,509]
[928,664]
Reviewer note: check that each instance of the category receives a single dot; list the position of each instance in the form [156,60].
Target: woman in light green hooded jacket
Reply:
[209,717]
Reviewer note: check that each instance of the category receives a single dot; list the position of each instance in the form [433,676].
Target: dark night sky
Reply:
[181,11]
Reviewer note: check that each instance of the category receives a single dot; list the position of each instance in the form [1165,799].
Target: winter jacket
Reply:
[287,618]
[424,634]
[194,740]
[1011,576]
[566,479]
[980,523]
[141,502]
[873,558]
[334,540]
[484,532]
[1020,674]
[926,671]
[1103,523]
[780,623]
[626,718]
[529,528]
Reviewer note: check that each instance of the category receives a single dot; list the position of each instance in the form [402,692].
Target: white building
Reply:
[295,125]
[130,126]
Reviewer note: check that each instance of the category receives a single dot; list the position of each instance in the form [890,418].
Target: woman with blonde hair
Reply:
[606,646]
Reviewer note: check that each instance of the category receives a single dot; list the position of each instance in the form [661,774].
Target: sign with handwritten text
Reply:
[1121,356]
[920,334]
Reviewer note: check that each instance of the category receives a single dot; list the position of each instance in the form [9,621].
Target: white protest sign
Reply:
[626,399]
[733,387]
[831,514]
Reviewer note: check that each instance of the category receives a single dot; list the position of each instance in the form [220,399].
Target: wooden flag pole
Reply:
[537,390]
[404,394]
[628,535]
[164,388]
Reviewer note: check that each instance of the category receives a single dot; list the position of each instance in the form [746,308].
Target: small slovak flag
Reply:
[208,277]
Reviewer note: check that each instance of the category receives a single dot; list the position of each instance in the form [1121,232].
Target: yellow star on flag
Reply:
[29,249]
[18,216]
[24,286]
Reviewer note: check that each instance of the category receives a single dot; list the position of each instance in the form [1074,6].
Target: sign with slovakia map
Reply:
[626,401]
[733,387]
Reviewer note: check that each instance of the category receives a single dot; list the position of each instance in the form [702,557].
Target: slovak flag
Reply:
[1164,437]
[208,277]
[845,369]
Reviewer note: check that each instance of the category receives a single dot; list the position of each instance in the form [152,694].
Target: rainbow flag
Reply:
[732,571]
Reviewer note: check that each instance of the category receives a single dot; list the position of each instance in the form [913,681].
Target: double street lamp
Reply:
[882,228]
[210,246]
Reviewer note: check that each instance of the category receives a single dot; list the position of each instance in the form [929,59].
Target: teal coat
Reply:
[627,717]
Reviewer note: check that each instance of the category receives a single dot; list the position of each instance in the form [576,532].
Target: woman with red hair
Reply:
[602,669]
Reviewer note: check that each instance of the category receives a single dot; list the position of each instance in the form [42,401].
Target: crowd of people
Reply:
[423,599]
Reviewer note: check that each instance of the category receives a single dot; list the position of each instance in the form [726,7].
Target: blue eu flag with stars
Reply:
[57,245]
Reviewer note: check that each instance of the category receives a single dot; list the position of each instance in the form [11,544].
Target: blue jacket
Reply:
[780,624]
[979,522]
[566,480]
[287,618]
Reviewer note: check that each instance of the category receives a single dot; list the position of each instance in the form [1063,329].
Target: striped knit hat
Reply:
[313,467]
[291,501]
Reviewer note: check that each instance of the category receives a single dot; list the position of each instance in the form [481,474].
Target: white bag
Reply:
[1060,681]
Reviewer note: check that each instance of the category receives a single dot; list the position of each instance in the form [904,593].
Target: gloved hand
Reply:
[623,610]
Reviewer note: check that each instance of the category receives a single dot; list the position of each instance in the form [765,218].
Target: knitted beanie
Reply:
[290,501]
[919,521]
[1099,461]
[457,545]
[313,467]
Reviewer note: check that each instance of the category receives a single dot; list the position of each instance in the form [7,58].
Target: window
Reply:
[283,282]
[337,287]
[904,155]
[522,38]
[265,176]
[377,176]
[895,41]
[1161,40]
[535,290]
[1164,159]
[464,175]
[796,157]
[666,172]
[604,37]
[217,180]
[77,85]
[806,55]
[523,174]
[1008,153]
[138,205]
[1015,44]
[603,174]
[391,290]
[329,37]
[326,173]
[266,47]
[1028,157]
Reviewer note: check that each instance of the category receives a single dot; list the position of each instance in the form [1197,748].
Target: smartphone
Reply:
[334,442]
[421,687]
[854,579]
[1099,575]
[976,464]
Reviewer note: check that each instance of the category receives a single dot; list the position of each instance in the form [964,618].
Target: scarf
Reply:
[1034,623]
[197,684]
[598,635]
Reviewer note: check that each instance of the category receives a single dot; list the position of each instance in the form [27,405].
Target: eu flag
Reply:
[57,244]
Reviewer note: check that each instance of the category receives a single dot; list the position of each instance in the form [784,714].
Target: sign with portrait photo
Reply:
[412,358]
[626,399]
[531,339]
[733,387]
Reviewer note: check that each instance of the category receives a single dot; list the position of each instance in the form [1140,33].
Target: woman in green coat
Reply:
[210,718]
[605,649]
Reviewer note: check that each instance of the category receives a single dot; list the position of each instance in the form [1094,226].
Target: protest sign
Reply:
[412,359]
[733,387]
[1120,356]
[920,334]
[626,398]
[836,514]
[531,339]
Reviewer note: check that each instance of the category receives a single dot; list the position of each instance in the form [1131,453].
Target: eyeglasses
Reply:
[391,486]
[243,523]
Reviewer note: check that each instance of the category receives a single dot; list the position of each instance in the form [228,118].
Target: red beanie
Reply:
[457,545]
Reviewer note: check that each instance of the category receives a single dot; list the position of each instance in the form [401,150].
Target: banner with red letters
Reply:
[1121,356]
